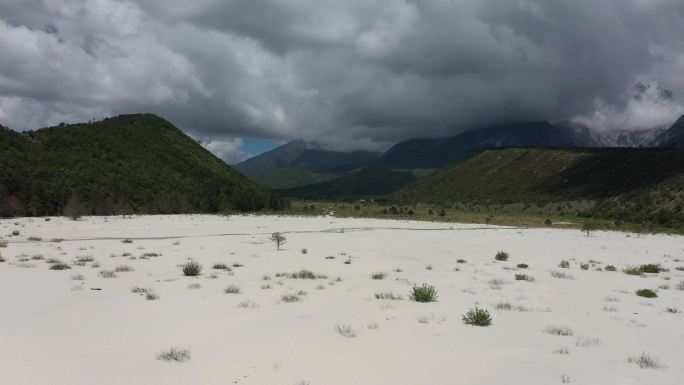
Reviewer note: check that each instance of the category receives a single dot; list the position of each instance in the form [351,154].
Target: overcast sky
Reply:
[352,73]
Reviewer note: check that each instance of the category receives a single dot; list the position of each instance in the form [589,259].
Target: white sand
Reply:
[55,330]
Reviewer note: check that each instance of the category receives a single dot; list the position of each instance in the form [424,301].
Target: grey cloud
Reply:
[354,74]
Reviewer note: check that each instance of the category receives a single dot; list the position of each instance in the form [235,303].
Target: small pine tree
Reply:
[279,239]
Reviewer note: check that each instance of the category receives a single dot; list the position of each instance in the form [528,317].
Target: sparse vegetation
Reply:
[60,266]
[501,256]
[379,275]
[522,266]
[560,275]
[424,293]
[221,266]
[564,264]
[192,269]
[107,274]
[345,331]
[559,331]
[610,268]
[232,289]
[289,298]
[645,361]
[477,317]
[461,261]
[127,240]
[584,266]
[523,277]
[174,354]
[388,295]
[123,269]
[305,274]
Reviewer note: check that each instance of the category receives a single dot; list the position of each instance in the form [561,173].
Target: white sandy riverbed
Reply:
[56,330]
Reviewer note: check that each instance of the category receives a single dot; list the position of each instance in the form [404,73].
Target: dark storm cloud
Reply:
[353,73]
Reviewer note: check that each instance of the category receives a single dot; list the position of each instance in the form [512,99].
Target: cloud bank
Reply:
[353,73]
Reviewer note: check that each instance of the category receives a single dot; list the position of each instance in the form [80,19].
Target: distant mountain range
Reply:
[300,163]
[285,169]
[127,164]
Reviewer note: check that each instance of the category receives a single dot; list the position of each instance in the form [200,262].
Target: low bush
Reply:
[646,293]
[60,266]
[378,275]
[564,264]
[610,268]
[424,293]
[522,266]
[192,269]
[501,256]
[232,289]
[174,354]
[477,317]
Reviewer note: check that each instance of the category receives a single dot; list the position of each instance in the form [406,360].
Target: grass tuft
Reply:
[174,354]
[192,269]
[501,256]
[646,293]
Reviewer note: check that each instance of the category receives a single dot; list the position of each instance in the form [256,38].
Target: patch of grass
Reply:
[123,269]
[289,298]
[192,269]
[232,289]
[35,239]
[559,331]
[345,331]
[424,293]
[3,243]
[196,285]
[16,233]
[562,351]
[461,261]
[83,260]
[646,293]
[60,266]
[501,256]
[672,310]
[221,266]
[151,295]
[522,266]
[632,270]
[151,255]
[388,295]
[610,268]
[505,306]
[126,240]
[139,290]
[645,361]
[108,274]
[306,274]
[561,275]
[584,266]
[305,250]
[174,354]
[37,257]
[379,275]
[236,265]
[524,277]
[477,317]
[564,264]
[77,277]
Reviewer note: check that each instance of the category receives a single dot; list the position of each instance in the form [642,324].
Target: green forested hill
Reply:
[130,163]
[636,185]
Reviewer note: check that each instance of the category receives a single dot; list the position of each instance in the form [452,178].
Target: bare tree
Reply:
[278,239]
[73,208]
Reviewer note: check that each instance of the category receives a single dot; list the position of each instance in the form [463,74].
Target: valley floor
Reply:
[77,327]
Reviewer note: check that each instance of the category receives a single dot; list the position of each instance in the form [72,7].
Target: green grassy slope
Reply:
[636,185]
[135,163]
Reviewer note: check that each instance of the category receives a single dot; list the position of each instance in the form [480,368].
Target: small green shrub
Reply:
[584,266]
[192,269]
[461,261]
[232,289]
[501,256]
[610,268]
[564,264]
[126,240]
[388,295]
[522,266]
[646,293]
[424,293]
[651,268]
[174,354]
[477,317]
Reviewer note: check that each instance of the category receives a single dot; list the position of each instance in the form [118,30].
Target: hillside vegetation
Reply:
[127,164]
[634,185]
